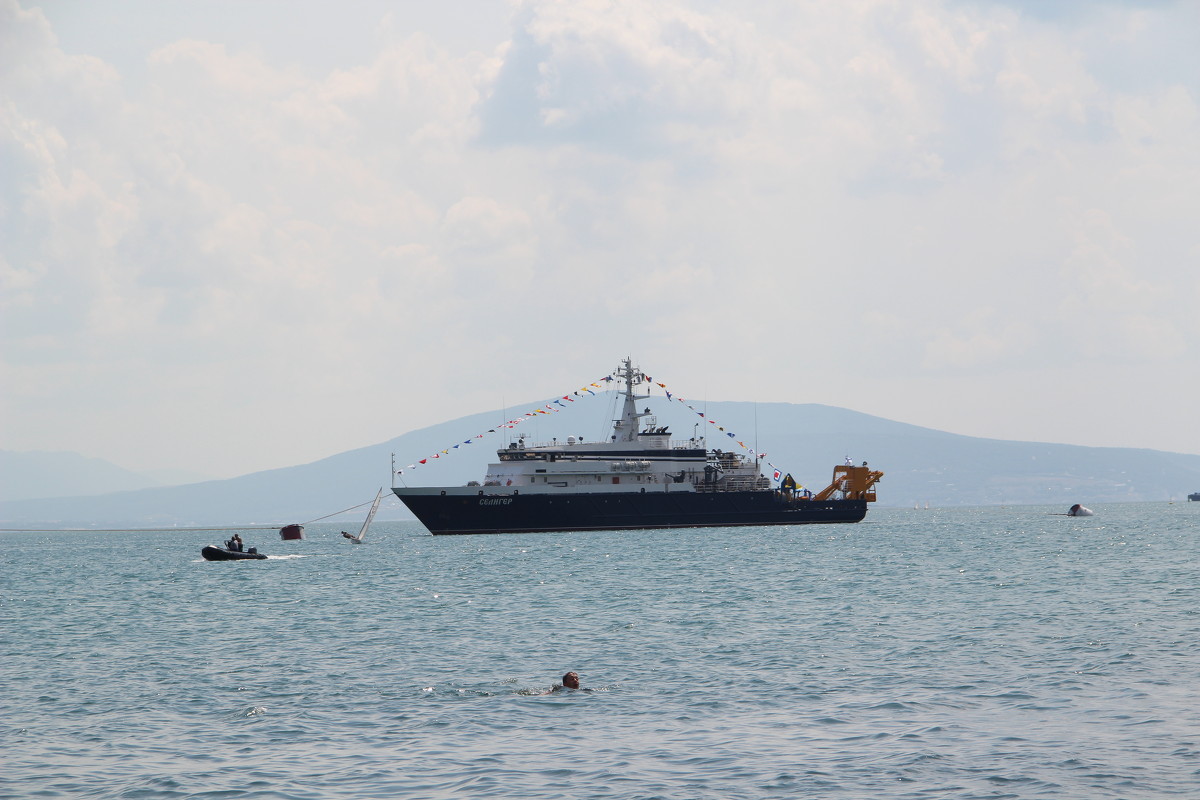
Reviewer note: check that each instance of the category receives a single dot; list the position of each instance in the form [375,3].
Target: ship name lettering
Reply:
[495,501]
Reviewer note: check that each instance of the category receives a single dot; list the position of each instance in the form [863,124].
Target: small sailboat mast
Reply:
[362,532]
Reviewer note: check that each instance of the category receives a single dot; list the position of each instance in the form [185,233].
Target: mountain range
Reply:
[40,474]
[921,466]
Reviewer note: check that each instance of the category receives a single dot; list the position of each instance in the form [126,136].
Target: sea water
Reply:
[960,653]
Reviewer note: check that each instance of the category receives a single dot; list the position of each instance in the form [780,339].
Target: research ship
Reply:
[639,479]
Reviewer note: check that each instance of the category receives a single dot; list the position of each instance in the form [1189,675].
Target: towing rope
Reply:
[343,511]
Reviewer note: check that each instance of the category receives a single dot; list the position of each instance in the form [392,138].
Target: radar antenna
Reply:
[625,429]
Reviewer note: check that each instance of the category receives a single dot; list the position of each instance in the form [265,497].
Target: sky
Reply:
[237,236]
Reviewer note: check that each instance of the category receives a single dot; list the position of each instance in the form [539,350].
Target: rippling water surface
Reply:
[966,653]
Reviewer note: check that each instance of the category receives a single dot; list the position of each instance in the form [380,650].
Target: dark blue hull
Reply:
[530,513]
[211,553]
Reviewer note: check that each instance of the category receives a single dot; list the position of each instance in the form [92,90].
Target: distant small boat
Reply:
[211,553]
[289,532]
[367,522]
[1080,511]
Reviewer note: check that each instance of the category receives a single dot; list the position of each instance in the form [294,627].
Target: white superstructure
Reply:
[639,456]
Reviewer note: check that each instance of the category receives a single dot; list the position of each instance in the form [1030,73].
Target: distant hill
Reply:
[176,477]
[39,474]
[921,465]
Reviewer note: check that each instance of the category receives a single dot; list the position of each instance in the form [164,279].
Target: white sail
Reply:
[370,516]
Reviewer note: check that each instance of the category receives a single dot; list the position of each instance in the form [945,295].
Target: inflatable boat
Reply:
[211,553]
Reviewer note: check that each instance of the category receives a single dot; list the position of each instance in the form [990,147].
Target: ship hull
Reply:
[456,513]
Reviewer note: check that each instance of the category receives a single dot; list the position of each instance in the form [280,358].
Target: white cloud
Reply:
[985,339]
[833,198]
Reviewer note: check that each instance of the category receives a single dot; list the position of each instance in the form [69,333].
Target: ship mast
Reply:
[625,429]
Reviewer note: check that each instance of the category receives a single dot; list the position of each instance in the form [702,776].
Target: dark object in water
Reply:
[211,553]
[288,532]
[1193,496]
[1080,511]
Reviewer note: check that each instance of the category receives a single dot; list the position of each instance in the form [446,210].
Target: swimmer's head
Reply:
[571,680]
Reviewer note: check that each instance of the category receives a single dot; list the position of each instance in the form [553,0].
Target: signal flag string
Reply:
[560,404]
[553,407]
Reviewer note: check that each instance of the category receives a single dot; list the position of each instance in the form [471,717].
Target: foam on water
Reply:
[971,653]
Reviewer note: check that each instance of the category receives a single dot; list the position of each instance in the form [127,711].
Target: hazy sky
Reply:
[236,236]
